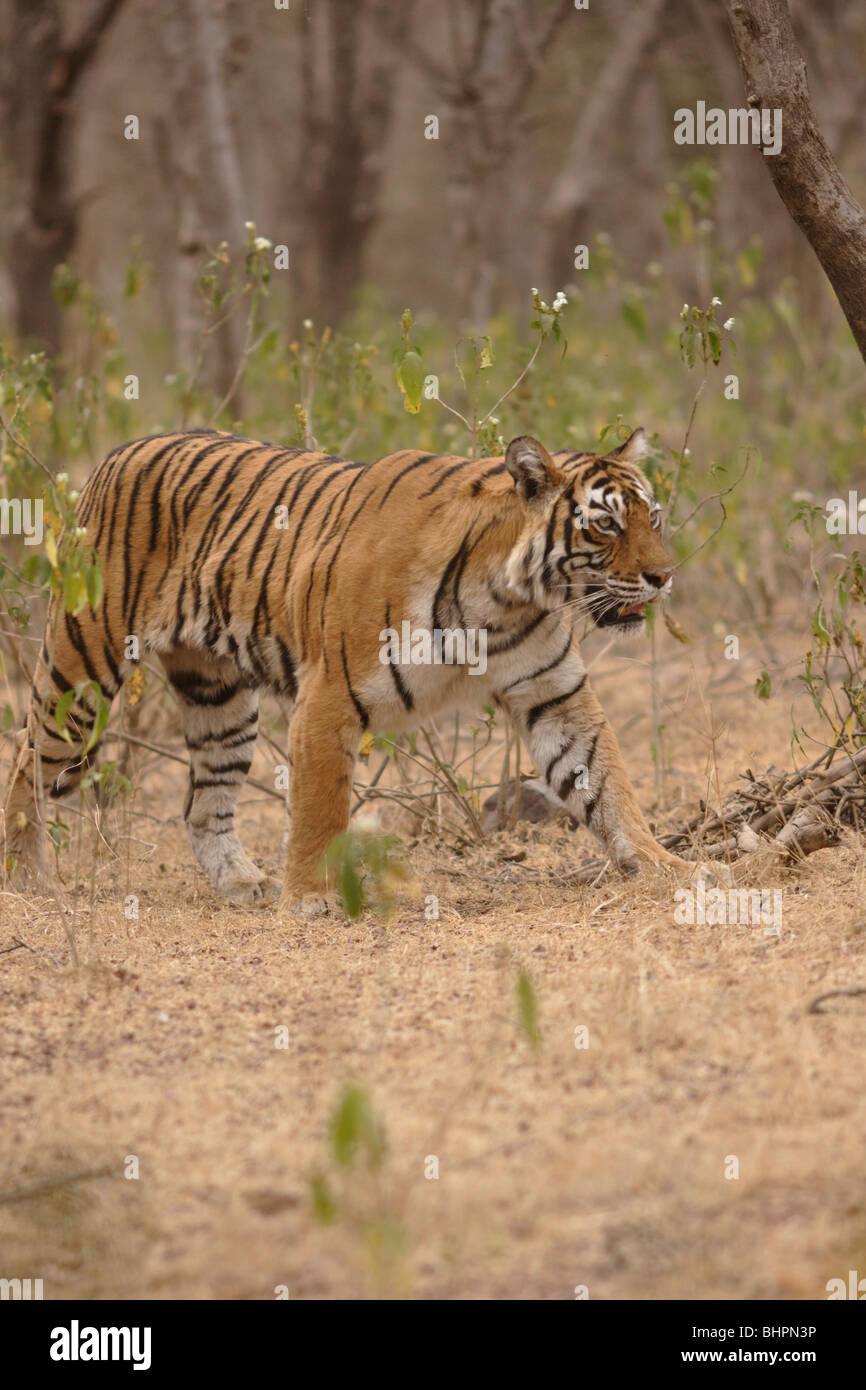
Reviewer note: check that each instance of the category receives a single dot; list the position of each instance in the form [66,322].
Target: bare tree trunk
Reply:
[202,168]
[805,173]
[480,139]
[229,207]
[483,86]
[180,162]
[211,36]
[41,78]
[332,184]
[350,79]
[584,165]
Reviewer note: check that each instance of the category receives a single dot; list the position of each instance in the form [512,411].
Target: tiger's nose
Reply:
[658,578]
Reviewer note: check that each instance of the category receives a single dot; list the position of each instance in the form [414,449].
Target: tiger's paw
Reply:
[27,878]
[691,873]
[711,875]
[311,906]
[23,864]
[248,891]
[703,872]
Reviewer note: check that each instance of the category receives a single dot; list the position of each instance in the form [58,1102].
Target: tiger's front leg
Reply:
[576,751]
[324,737]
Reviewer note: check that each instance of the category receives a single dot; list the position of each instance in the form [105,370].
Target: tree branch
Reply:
[804,172]
[74,60]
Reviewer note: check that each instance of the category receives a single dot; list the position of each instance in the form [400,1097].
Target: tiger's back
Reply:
[244,548]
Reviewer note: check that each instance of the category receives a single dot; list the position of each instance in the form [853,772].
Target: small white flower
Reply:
[687,453]
[81,532]
[684,311]
[559,302]
[250,226]
[308,323]
[729,323]
[73,496]
[261,243]
[62,479]
[533,292]
[715,300]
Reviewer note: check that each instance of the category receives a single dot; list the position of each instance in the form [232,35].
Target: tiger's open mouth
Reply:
[606,612]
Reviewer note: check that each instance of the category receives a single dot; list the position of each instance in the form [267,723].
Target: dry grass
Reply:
[558,1167]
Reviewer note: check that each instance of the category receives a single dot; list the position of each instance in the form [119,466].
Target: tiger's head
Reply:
[592,532]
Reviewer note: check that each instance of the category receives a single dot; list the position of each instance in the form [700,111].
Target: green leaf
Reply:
[748,261]
[354,1126]
[62,708]
[763,686]
[634,313]
[527,1006]
[325,1207]
[99,723]
[410,379]
[74,593]
[486,358]
[132,283]
[702,176]
[351,889]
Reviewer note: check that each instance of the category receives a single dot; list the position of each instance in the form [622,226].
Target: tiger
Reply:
[247,567]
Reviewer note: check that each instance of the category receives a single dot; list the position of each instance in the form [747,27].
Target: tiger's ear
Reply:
[531,467]
[634,449]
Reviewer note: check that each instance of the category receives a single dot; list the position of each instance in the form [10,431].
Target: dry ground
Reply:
[558,1167]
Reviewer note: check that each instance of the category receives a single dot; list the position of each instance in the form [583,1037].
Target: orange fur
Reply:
[199,569]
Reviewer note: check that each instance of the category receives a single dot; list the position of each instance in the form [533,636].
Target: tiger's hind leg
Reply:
[75,650]
[220,721]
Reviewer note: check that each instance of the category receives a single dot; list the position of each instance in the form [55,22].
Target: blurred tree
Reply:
[553,124]
[41,73]
[348,82]
[496,50]
[201,166]
[599,117]
[805,173]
